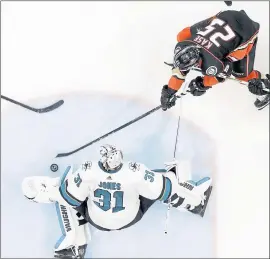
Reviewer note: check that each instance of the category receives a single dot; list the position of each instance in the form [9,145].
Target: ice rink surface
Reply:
[150,141]
[105,60]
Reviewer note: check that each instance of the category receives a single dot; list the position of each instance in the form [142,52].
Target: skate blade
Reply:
[208,194]
[262,103]
[263,106]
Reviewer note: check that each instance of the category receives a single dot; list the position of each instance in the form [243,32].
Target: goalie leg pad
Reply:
[75,233]
[67,227]
[75,230]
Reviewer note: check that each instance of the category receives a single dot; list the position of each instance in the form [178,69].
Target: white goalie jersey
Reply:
[114,193]
[113,197]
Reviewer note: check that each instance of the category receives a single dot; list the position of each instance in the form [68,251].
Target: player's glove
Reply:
[196,87]
[167,98]
[259,86]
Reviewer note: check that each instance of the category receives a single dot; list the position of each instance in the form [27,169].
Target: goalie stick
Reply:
[38,110]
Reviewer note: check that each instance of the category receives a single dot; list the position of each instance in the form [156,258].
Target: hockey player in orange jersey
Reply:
[221,46]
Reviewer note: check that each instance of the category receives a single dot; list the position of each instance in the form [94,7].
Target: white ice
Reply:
[106,61]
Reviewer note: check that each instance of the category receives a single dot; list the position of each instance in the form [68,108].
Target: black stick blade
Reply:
[51,107]
[41,110]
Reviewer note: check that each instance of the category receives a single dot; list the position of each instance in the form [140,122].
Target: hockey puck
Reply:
[228,3]
[54,167]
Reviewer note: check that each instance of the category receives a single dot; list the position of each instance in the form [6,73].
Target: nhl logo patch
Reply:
[211,71]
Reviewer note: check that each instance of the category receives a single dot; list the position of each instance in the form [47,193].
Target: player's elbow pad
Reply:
[184,34]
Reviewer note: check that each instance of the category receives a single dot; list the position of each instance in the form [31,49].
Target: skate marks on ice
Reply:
[29,144]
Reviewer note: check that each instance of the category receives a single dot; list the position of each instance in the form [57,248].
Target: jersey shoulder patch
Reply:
[84,170]
[134,166]
[87,165]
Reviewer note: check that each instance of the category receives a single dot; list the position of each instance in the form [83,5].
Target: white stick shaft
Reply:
[230,77]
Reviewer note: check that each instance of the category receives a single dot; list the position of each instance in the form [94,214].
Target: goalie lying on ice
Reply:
[111,195]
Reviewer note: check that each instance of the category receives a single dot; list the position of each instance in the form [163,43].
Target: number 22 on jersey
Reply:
[107,200]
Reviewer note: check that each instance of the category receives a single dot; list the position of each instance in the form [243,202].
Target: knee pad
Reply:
[75,230]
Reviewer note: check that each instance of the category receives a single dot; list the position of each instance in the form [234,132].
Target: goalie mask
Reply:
[186,56]
[111,158]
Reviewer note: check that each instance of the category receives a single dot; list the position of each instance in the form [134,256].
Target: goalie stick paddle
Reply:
[41,110]
[109,133]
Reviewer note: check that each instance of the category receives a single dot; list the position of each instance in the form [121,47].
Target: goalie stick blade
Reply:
[208,194]
[50,108]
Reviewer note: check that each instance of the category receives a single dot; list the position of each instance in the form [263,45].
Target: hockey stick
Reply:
[221,76]
[174,156]
[114,131]
[111,132]
[183,90]
[261,102]
[41,110]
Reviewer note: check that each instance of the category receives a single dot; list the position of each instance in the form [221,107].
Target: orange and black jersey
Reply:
[227,36]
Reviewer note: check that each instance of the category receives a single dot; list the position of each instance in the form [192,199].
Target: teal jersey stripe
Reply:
[167,189]
[159,170]
[65,174]
[67,197]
